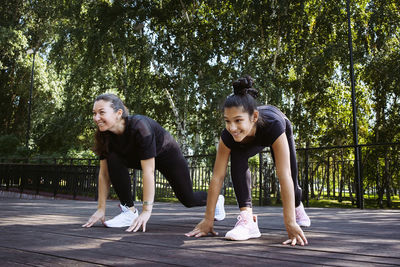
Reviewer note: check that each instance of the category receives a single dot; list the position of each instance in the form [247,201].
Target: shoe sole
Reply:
[108,226]
[115,226]
[239,239]
[304,224]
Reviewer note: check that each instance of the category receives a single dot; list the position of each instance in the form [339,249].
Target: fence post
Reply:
[134,184]
[260,157]
[22,184]
[306,178]
[8,177]
[74,180]
[55,180]
[359,190]
[96,175]
[37,177]
[359,182]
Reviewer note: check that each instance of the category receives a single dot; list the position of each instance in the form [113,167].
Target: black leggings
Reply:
[171,164]
[241,177]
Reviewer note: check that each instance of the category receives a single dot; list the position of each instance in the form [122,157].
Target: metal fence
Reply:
[324,173]
[329,173]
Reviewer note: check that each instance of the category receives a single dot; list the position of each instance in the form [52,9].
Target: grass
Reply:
[369,203]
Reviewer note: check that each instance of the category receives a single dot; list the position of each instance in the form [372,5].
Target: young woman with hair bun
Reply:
[123,141]
[248,130]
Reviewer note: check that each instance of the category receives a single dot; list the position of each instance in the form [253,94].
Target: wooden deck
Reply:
[47,232]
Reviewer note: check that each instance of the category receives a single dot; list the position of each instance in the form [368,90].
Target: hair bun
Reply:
[244,86]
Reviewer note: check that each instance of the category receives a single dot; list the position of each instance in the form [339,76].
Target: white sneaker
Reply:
[245,228]
[124,219]
[302,218]
[219,209]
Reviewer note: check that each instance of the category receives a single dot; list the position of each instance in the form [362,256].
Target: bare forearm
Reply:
[103,190]
[212,197]
[148,190]
[288,200]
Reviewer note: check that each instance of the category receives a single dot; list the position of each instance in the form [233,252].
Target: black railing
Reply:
[329,173]
[324,173]
[71,181]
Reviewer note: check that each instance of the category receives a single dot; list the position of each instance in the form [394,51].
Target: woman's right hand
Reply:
[98,215]
[203,229]
[295,234]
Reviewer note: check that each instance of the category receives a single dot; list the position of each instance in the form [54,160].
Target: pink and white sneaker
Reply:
[245,228]
[302,218]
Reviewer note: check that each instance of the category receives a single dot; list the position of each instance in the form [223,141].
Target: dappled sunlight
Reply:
[31,219]
[52,228]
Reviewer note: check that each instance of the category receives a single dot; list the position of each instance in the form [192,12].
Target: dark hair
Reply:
[244,95]
[116,103]
[102,138]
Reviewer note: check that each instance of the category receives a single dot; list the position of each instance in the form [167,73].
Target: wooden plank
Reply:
[51,228]
[18,257]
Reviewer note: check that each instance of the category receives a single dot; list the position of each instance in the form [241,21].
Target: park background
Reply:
[175,61]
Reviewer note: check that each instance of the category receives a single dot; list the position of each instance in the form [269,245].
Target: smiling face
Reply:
[240,124]
[105,117]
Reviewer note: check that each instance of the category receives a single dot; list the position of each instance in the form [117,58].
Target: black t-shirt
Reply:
[274,124]
[143,138]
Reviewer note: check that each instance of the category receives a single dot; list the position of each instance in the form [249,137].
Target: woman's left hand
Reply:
[296,235]
[141,221]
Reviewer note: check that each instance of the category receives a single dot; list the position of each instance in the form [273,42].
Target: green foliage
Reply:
[8,144]
[84,154]
[175,60]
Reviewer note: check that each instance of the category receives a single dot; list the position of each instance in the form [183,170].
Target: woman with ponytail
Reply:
[248,130]
[138,142]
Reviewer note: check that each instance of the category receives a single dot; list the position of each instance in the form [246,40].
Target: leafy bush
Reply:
[8,144]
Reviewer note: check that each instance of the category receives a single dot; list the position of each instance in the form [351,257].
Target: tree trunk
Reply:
[328,172]
[180,123]
[379,187]
[341,180]
[387,183]
[334,176]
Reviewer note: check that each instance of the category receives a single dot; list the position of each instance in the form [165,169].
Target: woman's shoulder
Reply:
[270,113]
[136,122]
[137,119]
[142,124]
[268,109]
[272,126]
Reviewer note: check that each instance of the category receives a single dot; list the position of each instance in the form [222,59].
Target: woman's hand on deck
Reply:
[98,215]
[203,229]
[141,221]
[296,235]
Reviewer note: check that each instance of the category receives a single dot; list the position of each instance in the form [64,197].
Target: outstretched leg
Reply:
[174,167]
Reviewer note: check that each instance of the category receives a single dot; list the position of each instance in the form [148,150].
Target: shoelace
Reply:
[241,221]
[124,208]
[299,214]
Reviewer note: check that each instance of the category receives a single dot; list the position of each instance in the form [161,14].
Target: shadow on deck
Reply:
[47,232]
